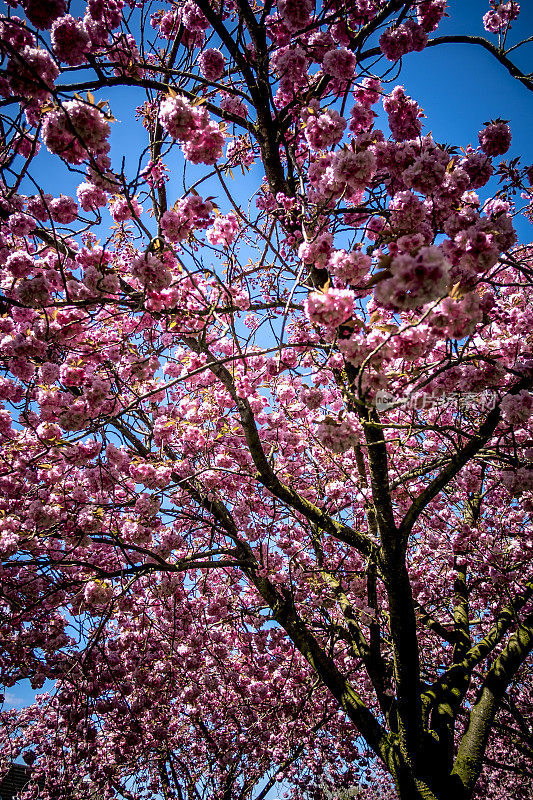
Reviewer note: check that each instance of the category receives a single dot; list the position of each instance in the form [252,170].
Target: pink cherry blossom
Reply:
[495,139]
[189,213]
[403,113]
[414,281]
[296,14]
[32,73]
[151,271]
[75,131]
[323,129]
[90,197]
[224,231]
[211,63]
[42,13]
[339,64]
[123,208]
[517,409]
[430,13]
[501,15]
[63,210]
[330,308]
[70,40]
[202,138]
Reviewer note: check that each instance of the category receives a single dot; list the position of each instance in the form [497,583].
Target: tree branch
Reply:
[458,461]
[512,69]
[469,761]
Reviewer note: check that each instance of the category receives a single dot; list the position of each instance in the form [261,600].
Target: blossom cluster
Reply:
[415,280]
[75,131]
[330,308]
[202,139]
[405,38]
[499,18]
[188,214]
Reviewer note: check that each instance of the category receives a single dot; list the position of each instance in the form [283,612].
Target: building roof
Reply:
[14,780]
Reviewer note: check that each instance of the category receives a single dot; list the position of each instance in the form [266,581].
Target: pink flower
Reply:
[203,139]
[353,170]
[34,292]
[37,206]
[151,272]
[408,212]
[76,130]
[319,44]
[118,457]
[48,372]
[97,593]
[8,543]
[330,308]
[63,210]
[296,14]
[415,280]
[368,91]
[42,13]
[396,42]
[192,18]
[322,129]
[15,33]
[32,73]
[428,170]
[361,119]
[188,214]
[206,146]
[211,63]
[501,16]
[340,64]
[403,113]
[26,146]
[70,40]
[339,437]
[224,231]
[108,12]
[495,139]
[20,264]
[430,13]
[90,197]
[313,397]
[350,267]
[478,167]
[126,56]
[70,375]
[97,30]
[123,208]
[21,224]
[457,318]
[291,64]
[233,105]
[318,250]
[166,24]
[240,151]
[518,408]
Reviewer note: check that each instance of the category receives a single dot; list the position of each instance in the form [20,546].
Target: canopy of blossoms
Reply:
[266,478]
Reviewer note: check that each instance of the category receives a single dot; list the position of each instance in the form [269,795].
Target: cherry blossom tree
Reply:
[143,709]
[267,458]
